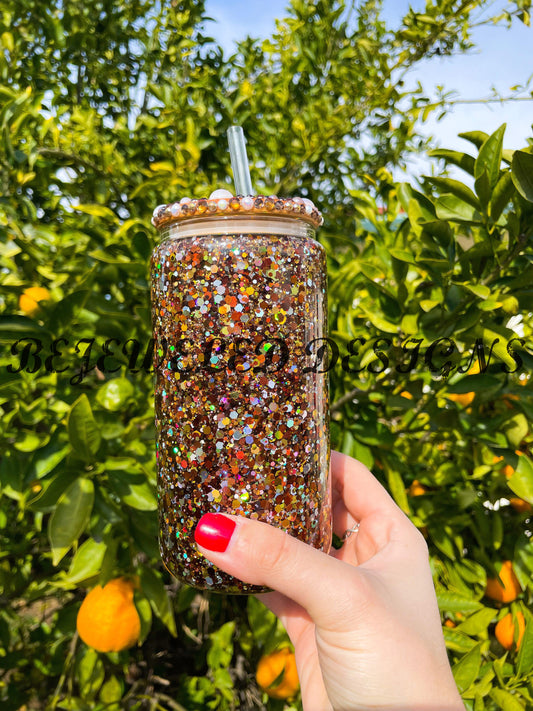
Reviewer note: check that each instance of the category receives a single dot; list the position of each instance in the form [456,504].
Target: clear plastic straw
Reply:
[239,161]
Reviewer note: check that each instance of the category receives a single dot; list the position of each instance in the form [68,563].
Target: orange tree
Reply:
[432,389]
[108,108]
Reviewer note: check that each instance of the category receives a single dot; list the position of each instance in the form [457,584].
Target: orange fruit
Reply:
[520,505]
[508,470]
[108,620]
[30,298]
[506,588]
[450,623]
[463,399]
[407,395]
[416,489]
[277,675]
[505,630]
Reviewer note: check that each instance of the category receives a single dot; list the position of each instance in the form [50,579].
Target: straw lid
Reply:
[222,203]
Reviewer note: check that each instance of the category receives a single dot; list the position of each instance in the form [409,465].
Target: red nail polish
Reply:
[214,531]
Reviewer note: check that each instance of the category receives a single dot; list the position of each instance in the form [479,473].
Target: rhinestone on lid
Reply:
[223,202]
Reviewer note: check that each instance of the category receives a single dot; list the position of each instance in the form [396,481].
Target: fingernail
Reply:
[214,531]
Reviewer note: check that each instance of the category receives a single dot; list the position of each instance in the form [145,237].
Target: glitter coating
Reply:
[241,427]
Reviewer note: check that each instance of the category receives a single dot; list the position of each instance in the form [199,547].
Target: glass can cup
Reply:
[239,311]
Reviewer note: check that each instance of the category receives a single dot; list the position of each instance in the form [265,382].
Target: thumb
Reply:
[260,554]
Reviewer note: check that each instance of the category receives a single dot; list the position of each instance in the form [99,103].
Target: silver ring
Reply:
[349,531]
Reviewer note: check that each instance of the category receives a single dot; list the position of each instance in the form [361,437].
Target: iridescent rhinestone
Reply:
[220,193]
[175,209]
[222,204]
[185,200]
[309,206]
[212,205]
[247,203]
[157,210]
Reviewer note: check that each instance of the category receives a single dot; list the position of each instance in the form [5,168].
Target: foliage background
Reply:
[108,109]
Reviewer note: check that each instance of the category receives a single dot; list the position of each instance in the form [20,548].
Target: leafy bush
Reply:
[431,304]
[100,126]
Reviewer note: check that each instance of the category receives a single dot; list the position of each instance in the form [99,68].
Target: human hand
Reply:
[364,619]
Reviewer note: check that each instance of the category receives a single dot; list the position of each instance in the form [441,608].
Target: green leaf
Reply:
[515,429]
[261,620]
[83,432]
[221,648]
[454,187]
[506,700]
[46,459]
[29,441]
[14,327]
[371,271]
[478,289]
[111,691]
[454,602]
[102,256]
[87,561]
[450,207]
[524,662]
[463,160]
[379,322]
[145,614]
[52,489]
[457,641]
[522,173]
[97,211]
[397,487]
[420,211]
[521,482]
[483,191]
[501,196]
[90,672]
[114,394]
[490,156]
[133,489]
[152,586]
[499,336]
[70,517]
[466,670]
[478,622]
[403,255]
[478,138]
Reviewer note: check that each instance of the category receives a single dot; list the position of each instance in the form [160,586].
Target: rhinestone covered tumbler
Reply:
[241,403]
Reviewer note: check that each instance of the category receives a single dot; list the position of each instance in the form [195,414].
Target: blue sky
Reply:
[504,58]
